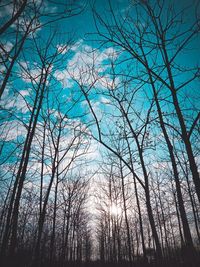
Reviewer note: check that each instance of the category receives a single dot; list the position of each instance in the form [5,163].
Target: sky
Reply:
[77,61]
[82,60]
[82,28]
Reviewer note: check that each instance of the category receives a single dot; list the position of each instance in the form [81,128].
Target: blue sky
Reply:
[81,27]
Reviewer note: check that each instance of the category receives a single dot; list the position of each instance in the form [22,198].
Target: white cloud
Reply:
[87,66]
[15,101]
[24,92]
[7,46]
[64,78]
[107,82]
[29,73]
[62,49]
[104,100]
[12,130]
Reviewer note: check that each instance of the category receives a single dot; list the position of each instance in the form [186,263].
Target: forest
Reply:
[99,133]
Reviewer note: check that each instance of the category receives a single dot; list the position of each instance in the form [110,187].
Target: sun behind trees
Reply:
[99,146]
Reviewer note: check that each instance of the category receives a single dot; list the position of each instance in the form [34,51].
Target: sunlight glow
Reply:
[115,210]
